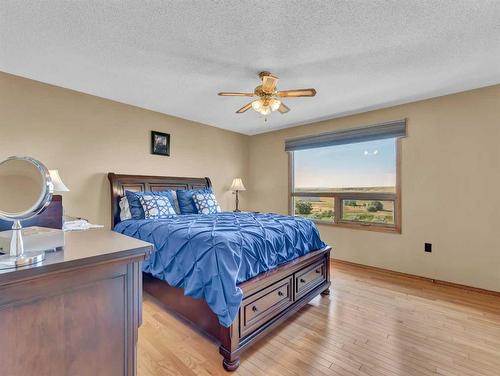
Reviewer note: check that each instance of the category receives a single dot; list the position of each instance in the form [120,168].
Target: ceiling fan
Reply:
[269,98]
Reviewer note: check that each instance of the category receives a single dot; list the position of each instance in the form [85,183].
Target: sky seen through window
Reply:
[359,165]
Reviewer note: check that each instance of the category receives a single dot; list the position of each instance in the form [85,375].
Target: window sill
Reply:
[356,226]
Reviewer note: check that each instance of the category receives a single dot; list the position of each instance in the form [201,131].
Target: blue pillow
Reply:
[185,199]
[136,210]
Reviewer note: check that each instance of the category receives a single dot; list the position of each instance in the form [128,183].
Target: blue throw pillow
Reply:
[135,205]
[206,203]
[186,202]
[156,206]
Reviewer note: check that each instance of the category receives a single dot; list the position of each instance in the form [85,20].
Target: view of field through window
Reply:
[368,211]
[359,168]
[319,208]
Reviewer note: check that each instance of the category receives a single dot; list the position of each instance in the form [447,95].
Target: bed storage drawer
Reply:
[309,278]
[264,305]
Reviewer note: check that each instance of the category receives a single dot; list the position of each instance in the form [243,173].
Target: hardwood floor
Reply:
[373,323]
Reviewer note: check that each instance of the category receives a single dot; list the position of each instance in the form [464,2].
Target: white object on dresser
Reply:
[79,225]
[35,239]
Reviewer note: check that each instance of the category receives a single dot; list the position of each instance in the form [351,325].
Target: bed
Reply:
[234,309]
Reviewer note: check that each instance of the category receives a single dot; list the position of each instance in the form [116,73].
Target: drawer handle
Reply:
[302,280]
[255,309]
[318,271]
[280,293]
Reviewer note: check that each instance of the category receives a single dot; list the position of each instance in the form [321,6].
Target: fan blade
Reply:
[269,83]
[297,93]
[235,94]
[244,108]
[283,108]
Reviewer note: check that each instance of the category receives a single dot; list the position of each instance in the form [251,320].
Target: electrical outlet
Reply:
[428,247]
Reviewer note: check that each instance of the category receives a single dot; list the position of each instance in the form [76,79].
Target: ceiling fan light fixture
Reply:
[274,104]
[257,105]
[265,110]
[268,98]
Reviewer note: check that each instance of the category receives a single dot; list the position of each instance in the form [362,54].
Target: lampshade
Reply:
[265,110]
[257,105]
[237,185]
[274,104]
[57,181]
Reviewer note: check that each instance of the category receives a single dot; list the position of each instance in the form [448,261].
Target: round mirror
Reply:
[25,190]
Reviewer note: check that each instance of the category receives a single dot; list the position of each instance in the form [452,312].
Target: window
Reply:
[351,182]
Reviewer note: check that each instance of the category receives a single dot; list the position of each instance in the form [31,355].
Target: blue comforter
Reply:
[209,255]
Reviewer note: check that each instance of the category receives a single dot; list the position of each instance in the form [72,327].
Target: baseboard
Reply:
[414,276]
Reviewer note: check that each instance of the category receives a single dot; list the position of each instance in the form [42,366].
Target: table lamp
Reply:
[59,186]
[236,187]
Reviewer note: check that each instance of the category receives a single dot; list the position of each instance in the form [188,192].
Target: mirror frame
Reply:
[44,199]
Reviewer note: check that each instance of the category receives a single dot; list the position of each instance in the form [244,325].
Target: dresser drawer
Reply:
[264,305]
[309,278]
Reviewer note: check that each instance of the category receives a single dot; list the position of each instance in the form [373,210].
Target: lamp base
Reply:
[237,211]
[27,258]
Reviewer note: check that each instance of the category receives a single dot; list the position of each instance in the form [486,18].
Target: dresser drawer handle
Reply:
[255,309]
[318,271]
[302,280]
[280,293]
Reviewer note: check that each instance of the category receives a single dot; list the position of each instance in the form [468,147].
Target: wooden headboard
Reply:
[141,183]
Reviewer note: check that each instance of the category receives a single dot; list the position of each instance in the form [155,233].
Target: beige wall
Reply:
[450,169]
[450,189]
[86,137]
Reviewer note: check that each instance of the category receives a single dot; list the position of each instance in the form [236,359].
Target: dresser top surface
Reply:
[83,248]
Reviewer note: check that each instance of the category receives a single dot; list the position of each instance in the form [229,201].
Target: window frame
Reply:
[340,196]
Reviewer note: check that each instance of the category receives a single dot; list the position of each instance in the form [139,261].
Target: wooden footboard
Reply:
[268,300]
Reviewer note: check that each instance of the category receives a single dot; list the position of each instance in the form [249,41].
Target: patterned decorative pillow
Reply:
[156,207]
[185,199]
[135,205]
[206,203]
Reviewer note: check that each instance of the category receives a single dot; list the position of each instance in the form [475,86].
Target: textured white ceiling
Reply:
[174,56]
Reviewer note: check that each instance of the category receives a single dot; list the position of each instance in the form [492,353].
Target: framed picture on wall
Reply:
[160,143]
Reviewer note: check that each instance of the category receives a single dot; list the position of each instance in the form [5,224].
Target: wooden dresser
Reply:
[78,312]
